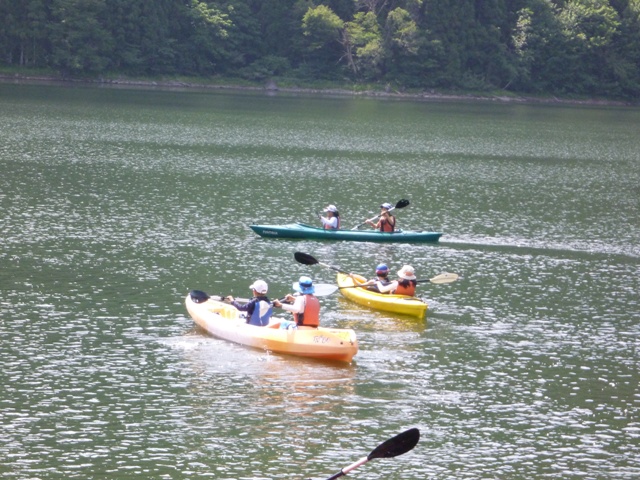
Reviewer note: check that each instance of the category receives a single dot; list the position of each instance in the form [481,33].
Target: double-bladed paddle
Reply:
[393,447]
[445,277]
[321,290]
[401,204]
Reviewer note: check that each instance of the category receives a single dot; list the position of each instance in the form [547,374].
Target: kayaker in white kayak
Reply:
[332,220]
[304,305]
[386,222]
[380,283]
[259,309]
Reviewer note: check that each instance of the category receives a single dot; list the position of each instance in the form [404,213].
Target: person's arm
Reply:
[387,288]
[296,307]
[246,307]
[331,222]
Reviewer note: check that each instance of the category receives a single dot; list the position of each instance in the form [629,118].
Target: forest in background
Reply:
[540,47]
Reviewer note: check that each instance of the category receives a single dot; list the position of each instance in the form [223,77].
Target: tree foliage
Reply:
[570,47]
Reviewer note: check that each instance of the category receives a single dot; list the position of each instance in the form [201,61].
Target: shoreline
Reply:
[273,88]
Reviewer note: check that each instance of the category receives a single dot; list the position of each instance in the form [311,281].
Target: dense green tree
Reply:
[81,44]
[204,38]
[583,47]
[362,41]
[23,32]
[590,27]
[627,50]
[452,23]
[540,49]
[402,41]
[324,34]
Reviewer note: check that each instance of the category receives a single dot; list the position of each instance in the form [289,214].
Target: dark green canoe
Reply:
[300,230]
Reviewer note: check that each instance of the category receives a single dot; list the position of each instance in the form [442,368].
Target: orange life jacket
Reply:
[310,317]
[386,226]
[406,287]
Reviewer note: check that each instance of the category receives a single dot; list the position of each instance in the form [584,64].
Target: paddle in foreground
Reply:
[393,447]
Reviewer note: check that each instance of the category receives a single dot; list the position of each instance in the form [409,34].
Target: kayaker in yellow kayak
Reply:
[406,283]
[259,309]
[380,283]
[332,220]
[304,306]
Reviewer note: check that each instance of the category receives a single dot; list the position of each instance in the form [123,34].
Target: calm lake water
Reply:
[115,203]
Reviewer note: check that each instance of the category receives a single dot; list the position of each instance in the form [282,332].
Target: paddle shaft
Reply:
[438,279]
[322,290]
[346,470]
[336,269]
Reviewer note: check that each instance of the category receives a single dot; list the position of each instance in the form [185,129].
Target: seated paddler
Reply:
[332,220]
[380,283]
[259,309]
[304,305]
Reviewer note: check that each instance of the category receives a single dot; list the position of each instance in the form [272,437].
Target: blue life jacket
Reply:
[261,314]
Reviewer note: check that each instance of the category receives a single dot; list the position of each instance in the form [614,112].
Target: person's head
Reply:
[382,270]
[407,273]
[385,207]
[332,210]
[259,287]
[304,286]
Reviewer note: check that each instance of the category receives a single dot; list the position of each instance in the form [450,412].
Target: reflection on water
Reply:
[116,203]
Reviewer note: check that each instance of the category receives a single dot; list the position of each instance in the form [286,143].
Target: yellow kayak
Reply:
[380,301]
[225,321]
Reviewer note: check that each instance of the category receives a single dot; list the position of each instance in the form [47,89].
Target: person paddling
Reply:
[386,222]
[304,306]
[332,220]
[380,283]
[259,309]
[406,283]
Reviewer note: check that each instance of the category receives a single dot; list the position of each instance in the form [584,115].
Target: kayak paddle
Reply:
[438,279]
[401,204]
[446,277]
[306,259]
[321,290]
[393,447]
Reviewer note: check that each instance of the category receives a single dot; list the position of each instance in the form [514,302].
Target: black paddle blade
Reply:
[397,445]
[198,296]
[402,203]
[305,258]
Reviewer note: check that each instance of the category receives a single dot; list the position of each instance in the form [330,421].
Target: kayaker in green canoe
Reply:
[332,220]
[386,222]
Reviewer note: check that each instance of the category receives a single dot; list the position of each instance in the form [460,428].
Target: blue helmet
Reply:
[382,269]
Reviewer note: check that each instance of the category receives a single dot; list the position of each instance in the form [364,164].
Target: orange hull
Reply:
[225,321]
